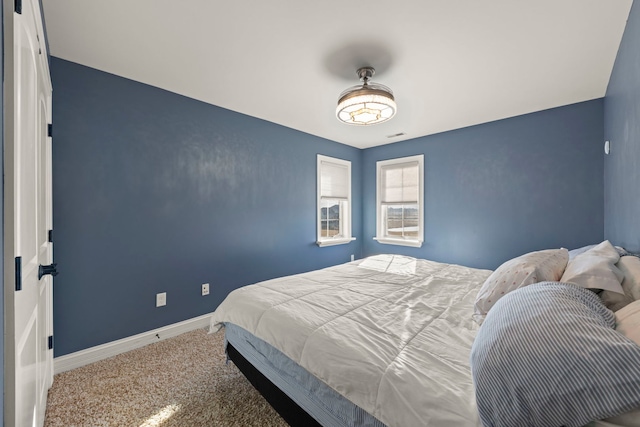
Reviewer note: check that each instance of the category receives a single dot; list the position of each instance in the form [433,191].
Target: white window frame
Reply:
[381,234]
[345,206]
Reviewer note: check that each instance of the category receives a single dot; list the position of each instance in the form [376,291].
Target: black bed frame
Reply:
[293,414]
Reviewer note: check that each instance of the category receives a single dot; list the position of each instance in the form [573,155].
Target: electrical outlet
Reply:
[352,257]
[205,289]
[161,299]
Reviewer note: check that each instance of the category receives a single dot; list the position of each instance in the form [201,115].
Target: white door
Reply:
[28,215]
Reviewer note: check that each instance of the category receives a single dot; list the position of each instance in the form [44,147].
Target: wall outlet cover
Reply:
[161,299]
[205,289]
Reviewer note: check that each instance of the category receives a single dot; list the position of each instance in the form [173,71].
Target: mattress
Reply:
[320,401]
[391,334]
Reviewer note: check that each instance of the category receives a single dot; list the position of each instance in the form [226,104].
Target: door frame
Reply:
[8,213]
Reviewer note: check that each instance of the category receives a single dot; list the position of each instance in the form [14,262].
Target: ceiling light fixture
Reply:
[366,104]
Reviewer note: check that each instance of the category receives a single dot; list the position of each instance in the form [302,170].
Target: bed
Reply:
[383,341]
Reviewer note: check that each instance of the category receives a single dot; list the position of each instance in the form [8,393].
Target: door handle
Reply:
[47,269]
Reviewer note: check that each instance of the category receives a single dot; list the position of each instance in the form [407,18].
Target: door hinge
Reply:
[18,273]
[50,129]
[18,6]
[50,342]
[50,236]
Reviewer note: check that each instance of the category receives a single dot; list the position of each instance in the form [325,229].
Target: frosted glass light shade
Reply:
[366,105]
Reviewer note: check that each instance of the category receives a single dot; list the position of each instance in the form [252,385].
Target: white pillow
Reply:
[628,419]
[574,252]
[534,267]
[595,269]
[630,267]
[628,324]
[628,321]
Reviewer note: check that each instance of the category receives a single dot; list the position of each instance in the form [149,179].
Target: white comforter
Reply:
[390,333]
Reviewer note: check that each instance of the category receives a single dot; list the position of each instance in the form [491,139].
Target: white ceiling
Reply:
[450,63]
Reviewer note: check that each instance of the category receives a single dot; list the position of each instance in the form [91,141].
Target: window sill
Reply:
[399,242]
[334,242]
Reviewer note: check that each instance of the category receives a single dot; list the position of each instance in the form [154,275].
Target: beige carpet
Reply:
[182,381]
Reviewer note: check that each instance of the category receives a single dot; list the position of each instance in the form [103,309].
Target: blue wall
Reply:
[155,192]
[500,189]
[622,128]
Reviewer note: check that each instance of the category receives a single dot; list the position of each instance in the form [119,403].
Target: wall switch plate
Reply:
[205,289]
[161,299]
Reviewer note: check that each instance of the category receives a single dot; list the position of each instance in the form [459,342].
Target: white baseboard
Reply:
[113,348]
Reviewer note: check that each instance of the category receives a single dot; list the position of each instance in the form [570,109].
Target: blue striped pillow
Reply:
[547,355]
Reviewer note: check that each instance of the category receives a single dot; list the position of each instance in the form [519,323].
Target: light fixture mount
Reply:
[366,104]
[365,73]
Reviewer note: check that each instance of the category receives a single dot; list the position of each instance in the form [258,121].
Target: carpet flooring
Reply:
[181,381]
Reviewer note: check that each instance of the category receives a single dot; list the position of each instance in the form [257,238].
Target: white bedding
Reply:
[390,333]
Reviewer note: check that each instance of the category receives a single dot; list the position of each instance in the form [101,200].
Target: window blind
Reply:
[334,181]
[400,183]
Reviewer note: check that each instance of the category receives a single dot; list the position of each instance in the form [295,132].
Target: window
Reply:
[400,207]
[334,201]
